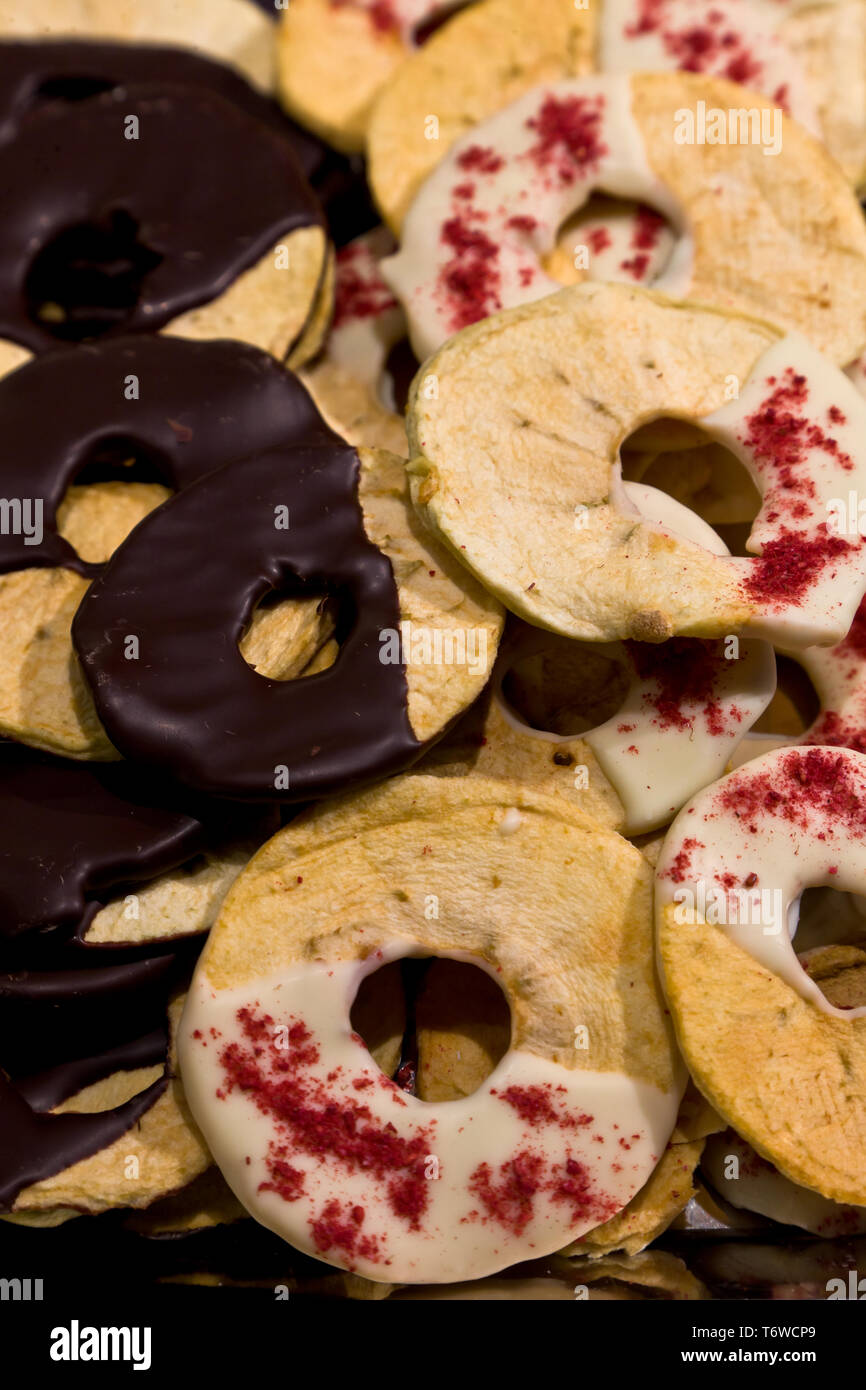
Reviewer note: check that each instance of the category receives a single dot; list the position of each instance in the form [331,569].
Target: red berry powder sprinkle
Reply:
[711,46]
[681,865]
[535,1106]
[522,223]
[359,292]
[569,140]
[470,280]
[338,1227]
[781,438]
[805,785]
[598,240]
[854,643]
[480,159]
[381,13]
[644,239]
[308,1119]
[848,730]
[788,566]
[684,671]
[832,728]
[509,1197]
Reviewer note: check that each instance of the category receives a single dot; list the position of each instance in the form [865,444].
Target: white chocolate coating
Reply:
[737,39]
[475,233]
[760,1187]
[799,426]
[624,242]
[472,245]
[579,1152]
[744,849]
[680,721]
[657,506]
[368,321]
[839,677]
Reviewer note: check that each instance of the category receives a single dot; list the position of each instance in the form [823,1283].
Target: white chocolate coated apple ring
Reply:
[348,380]
[472,240]
[737,39]
[486,57]
[789,820]
[478,229]
[755,1185]
[839,676]
[808,57]
[687,706]
[324,1149]
[765,1045]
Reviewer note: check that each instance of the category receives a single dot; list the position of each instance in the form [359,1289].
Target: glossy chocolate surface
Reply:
[192,705]
[115,214]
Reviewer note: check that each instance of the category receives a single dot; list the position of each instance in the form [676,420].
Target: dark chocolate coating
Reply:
[56,1084]
[426,28]
[190,703]
[412,972]
[37,1146]
[69,829]
[160,233]
[200,404]
[51,1014]
[38,72]
[33,73]
[67,986]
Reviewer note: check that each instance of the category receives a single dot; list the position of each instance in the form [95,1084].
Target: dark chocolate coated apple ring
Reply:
[191,704]
[38,1145]
[73,1129]
[89,179]
[36,72]
[63,71]
[196,405]
[70,830]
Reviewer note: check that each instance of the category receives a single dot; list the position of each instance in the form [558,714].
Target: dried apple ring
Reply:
[685,708]
[334,59]
[776,1058]
[752,1184]
[550,390]
[87,250]
[147,398]
[558,1137]
[838,675]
